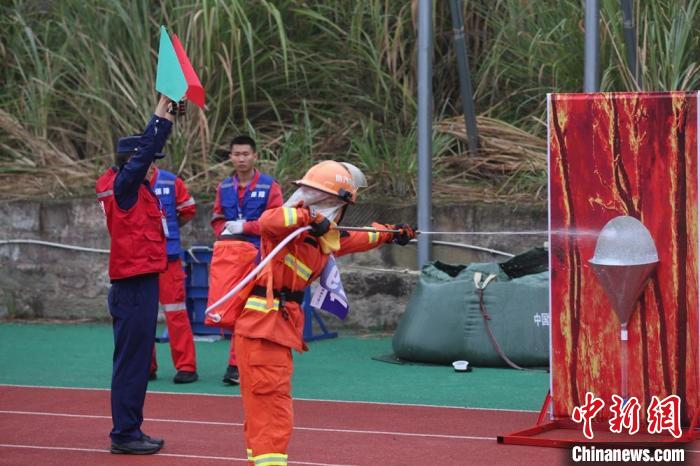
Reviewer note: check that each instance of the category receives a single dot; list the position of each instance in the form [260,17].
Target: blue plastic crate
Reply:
[196,262]
[198,307]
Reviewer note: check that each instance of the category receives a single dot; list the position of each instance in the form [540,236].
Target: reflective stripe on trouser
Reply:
[172,302]
[266,384]
[270,459]
[181,341]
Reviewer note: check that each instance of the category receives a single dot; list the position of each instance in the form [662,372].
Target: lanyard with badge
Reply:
[163,219]
[248,188]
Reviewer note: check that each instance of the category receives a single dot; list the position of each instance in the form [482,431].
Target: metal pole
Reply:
[425,124]
[630,38]
[591,46]
[465,82]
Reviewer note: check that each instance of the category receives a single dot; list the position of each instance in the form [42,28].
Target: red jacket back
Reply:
[138,241]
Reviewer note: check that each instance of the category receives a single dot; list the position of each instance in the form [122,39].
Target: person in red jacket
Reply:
[179,208]
[137,256]
[272,321]
[240,200]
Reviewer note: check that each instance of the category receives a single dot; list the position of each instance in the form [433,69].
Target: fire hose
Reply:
[296,233]
[368,229]
[266,260]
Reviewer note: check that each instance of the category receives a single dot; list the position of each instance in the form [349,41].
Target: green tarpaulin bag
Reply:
[443,321]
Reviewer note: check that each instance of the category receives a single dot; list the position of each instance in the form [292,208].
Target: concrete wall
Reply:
[45,282]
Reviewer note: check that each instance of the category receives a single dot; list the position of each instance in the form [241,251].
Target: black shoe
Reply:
[152,376]
[135,447]
[185,377]
[231,376]
[154,440]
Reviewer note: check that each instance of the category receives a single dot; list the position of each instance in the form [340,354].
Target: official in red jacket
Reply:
[137,255]
[179,208]
[272,321]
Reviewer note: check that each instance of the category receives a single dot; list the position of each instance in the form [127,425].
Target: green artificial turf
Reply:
[79,355]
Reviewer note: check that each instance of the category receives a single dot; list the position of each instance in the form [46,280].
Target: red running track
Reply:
[58,426]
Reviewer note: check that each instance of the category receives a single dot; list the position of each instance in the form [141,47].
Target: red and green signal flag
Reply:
[175,76]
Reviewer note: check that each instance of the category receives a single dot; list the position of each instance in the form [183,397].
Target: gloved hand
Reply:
[233,227]
[406,233]
[319,225]
[177,108]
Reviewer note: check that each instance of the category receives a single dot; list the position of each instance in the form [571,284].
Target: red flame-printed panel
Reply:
[624,154]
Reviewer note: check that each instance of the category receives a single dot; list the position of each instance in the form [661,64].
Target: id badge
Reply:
[165,226]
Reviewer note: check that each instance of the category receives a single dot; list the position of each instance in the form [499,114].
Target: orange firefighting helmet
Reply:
[333,178]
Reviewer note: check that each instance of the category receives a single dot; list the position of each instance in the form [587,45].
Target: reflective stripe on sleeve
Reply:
[270,459]
[373,236]
[256,303]
[249,452]
[301,269]
[290,216]
[188,202]
[102,194]
[168,182]
[173,307]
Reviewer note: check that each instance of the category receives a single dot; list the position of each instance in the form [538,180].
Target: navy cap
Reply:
[128,144]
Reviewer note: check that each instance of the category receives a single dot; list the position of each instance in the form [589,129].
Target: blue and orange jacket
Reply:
[237,202]
[177,203]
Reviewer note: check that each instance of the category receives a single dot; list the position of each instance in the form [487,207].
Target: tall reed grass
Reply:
[309,79]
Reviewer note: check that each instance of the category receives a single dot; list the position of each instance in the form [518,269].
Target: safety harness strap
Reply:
[285,293]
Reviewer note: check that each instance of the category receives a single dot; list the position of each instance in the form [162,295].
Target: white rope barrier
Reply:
[54,245]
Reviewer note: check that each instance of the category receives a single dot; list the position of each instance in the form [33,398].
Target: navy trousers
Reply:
[133,304]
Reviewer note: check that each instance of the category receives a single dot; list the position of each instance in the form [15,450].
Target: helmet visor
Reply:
[328,205]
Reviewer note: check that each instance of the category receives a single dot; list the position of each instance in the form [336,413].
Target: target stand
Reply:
[633,155]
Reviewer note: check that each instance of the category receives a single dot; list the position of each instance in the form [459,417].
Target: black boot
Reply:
[154,440]
[231,376]
[185,377]
[135,447]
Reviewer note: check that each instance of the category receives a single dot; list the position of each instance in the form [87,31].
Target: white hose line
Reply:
[55,245]
[254,272]
[478,233]
[205,248]
[465,233]
[284,242]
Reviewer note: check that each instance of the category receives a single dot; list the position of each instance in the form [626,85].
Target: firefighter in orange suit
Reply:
[272,321]
[179,208]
